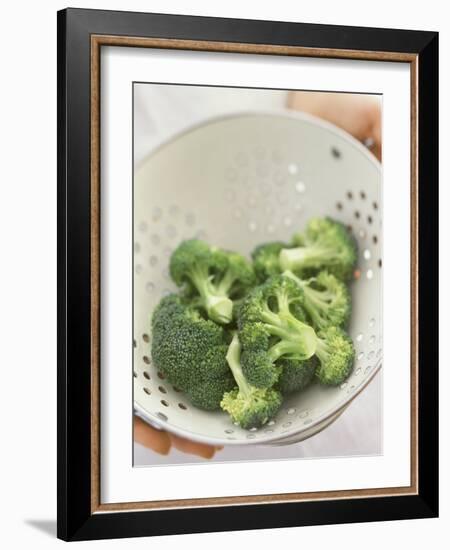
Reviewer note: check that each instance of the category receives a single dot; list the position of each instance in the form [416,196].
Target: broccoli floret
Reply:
[271,328]
[336,353]
[325,245]
[190,351]
[327,300]
[216,277]
[248,406]
[266,259]
[296,375]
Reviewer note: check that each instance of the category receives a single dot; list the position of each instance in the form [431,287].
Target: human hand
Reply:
[161,442]
[359,115]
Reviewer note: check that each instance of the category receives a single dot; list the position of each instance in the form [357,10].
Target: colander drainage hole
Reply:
[146,375]
[336,153]
[146,338]
[182,406]
[362,195]
[292,168]
[300,187]
[162,389]
[148,391]
[375,239]
[164,402]
[160,375]
[229,431]
[190,219]
[162,416]
[146,360]
[173,210]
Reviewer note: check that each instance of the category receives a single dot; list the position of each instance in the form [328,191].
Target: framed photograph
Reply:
[247,274]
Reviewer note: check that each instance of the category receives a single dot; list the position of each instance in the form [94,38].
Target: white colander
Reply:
[238,181]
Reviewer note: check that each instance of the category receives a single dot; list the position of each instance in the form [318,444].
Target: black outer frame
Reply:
[75,521]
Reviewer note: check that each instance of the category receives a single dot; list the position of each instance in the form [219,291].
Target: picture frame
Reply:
[81,36]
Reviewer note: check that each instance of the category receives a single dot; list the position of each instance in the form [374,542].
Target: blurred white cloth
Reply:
[161,111]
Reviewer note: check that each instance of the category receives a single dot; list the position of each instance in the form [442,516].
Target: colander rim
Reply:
[166,425]
[281,113]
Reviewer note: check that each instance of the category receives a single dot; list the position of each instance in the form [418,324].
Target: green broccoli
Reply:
[325,245]
[296,375]
[191,352]
[212,277]
[266,259]
[327,300]
[336,353]
[271,327]
[249,407]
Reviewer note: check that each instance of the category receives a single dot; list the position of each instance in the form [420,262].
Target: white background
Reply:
[28,290]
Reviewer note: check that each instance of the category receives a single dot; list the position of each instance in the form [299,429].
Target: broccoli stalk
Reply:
[326,244]
[327,300]
[306,256]
[271,328]
[296,338]
[248,406]
[214,298]
[216,276]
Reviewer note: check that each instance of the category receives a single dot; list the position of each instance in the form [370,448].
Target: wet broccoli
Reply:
[327,300]
[248,406]
[191,352]
[325,245]
[266,259]
[296,375]
[271,327]
[212,277]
